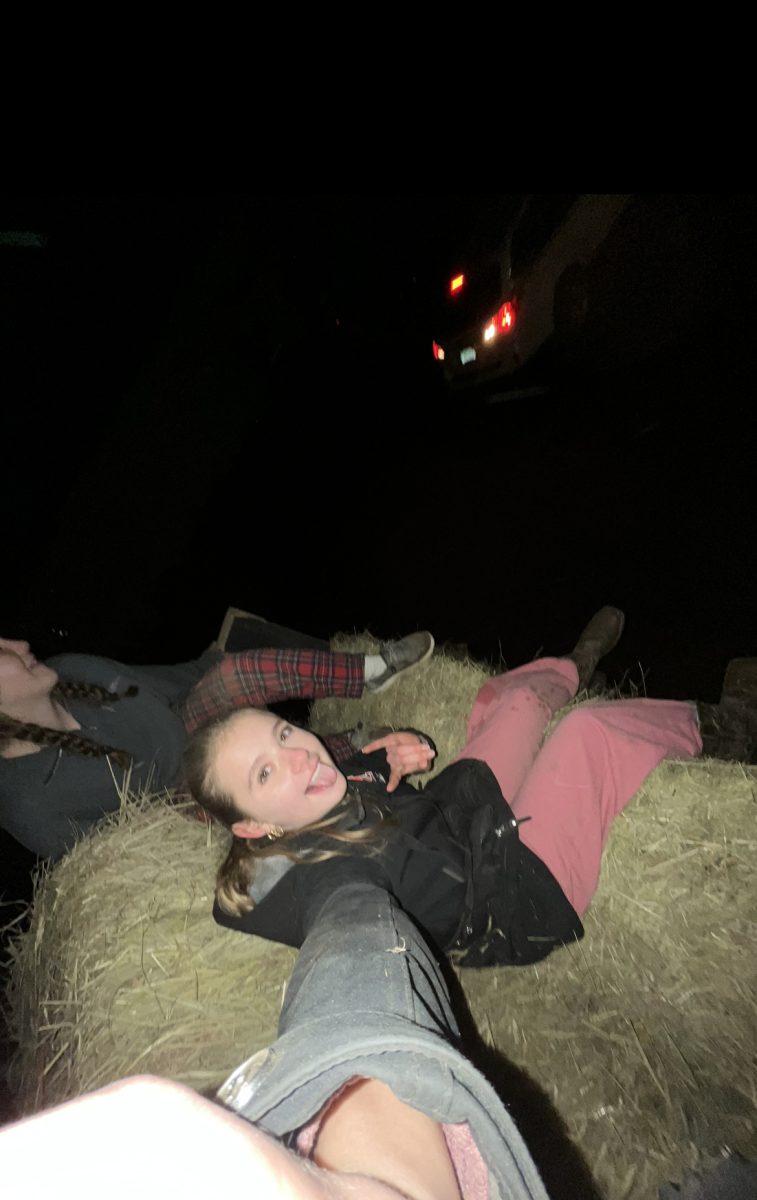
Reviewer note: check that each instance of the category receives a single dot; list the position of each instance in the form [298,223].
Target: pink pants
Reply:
[587,770]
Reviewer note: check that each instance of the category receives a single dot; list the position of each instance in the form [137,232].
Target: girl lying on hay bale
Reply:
[77,729]
[642,1035]
[490,880]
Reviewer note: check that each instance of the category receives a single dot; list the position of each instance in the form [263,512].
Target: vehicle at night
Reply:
[523,280]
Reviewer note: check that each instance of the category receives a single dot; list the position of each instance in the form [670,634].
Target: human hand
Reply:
[152,1137]
[405,752]
[14,646]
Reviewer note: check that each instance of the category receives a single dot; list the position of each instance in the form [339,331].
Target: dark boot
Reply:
[729,732]
[729,729]
[740,681]
[599,637]
[244,631]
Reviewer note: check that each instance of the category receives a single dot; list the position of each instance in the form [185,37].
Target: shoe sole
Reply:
[242,631]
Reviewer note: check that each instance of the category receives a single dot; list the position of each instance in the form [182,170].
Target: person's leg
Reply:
[593,763]
[394,658]
[261,678]
[175,680]
[510,716]
[729,729]
[245,631]
[512,711]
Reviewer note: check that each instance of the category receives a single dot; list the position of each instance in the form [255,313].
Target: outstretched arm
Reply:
[368,1000]
[150,1137]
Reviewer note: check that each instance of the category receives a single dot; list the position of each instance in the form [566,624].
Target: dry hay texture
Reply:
[642,1036]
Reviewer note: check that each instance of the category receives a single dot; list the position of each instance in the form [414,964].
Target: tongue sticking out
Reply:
[323,777]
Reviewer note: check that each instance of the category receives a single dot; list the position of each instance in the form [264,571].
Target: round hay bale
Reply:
[643,1036]
[122,968]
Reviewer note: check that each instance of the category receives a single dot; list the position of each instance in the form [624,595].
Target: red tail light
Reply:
[456,285]
[503,322]
[438,352]
[506,317]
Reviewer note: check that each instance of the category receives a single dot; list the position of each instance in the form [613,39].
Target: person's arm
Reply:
[367,999]
[259,678]
[276,917]
[153,1138]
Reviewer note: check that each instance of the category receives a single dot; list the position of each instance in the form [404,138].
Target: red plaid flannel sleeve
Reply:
[258,678]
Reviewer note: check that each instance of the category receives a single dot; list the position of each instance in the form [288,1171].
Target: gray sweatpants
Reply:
[366,998]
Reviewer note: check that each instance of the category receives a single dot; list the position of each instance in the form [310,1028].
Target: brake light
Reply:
[503,322]
[438,352]
[456,285]
[506,317]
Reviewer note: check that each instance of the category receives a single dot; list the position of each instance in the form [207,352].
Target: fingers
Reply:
[378,744]
[417,758]
[405,754]
[397,739]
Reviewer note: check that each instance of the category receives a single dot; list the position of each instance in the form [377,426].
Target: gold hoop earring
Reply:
[275,831]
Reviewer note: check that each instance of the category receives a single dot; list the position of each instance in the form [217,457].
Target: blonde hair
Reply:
[237,871]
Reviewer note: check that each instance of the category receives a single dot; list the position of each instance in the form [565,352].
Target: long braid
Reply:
[90,693]
[68,740]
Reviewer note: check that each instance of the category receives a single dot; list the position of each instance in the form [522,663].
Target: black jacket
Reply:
[452,858]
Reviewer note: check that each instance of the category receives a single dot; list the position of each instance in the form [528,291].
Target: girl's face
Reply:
[276,773]
[22,678]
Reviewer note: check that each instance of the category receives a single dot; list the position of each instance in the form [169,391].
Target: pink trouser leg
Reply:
[589,768]
[511,713]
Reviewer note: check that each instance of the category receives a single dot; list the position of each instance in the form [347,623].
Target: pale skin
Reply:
[150,1137]
[280,775]
[25,694]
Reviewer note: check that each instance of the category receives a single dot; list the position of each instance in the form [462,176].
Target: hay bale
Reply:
[122,968]
[643,1035]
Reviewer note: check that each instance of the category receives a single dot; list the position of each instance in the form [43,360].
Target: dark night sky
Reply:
[159,351]
[230,399]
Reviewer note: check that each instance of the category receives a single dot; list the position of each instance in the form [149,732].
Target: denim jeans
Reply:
[366,998]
